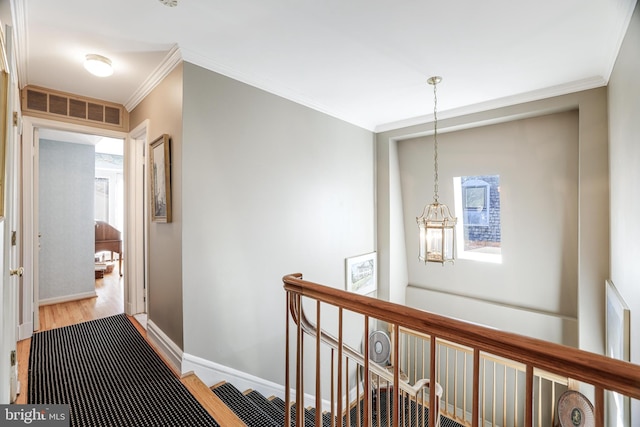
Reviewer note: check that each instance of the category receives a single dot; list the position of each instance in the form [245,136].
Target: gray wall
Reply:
[271,188]
[163,108]
[66,223]
[568,307]
[624,151]
[537,160]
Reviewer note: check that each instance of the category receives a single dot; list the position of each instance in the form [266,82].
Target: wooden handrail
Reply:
[600,371]
[309,328]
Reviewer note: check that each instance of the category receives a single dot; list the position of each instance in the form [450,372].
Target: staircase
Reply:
[256,410]
[490,377]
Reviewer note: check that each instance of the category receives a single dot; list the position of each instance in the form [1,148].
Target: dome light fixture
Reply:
[98,65]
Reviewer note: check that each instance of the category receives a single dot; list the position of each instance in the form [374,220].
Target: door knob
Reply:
[17,272]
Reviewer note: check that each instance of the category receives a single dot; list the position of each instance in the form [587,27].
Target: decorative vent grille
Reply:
[78,108]
[56,105]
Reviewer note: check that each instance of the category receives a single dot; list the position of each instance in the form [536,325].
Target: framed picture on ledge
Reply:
[361,274]
[617,340]
[160,178]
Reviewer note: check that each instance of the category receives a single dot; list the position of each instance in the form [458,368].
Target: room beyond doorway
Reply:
[109,205]
[109,182]
[80,181]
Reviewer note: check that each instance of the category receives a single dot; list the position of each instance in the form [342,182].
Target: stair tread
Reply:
[250,413]
[309,418]
[267,406]
[255,410]
[214,406]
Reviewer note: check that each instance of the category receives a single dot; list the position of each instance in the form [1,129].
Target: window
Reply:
[475,195]
[477,204]
[101,199]
[109,182]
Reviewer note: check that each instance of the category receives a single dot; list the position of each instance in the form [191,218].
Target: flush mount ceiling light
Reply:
[170,3]
[98,65]
[436,225]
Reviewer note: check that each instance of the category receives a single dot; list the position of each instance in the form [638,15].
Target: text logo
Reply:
[34,415]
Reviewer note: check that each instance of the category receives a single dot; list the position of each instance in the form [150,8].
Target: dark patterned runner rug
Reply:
[108,374]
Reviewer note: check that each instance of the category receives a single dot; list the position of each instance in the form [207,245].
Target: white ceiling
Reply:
[363,61]
[102,144]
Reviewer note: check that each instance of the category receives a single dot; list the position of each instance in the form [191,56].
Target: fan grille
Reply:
[379,347]
[575,410]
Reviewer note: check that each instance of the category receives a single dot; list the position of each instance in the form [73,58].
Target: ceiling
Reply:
[363,61]
[102,144]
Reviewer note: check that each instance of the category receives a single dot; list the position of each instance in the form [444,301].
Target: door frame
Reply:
[136,224]
[29,321]
[10,223]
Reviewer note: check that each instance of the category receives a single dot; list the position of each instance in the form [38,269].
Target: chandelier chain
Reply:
[435,143]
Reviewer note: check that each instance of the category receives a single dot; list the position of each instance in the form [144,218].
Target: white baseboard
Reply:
[172,353]
[212,373]
[25,331]
[128,308]
[67,298]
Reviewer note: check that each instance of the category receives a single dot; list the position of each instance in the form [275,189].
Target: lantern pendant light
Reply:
[436,225]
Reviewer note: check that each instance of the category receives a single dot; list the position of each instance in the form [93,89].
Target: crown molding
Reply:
[170,61]
[21,45]
[625,13]
[549,92]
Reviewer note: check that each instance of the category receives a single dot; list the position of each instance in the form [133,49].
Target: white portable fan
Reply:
[379,347]
[575,410]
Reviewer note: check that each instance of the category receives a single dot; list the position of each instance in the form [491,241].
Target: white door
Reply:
[10,251]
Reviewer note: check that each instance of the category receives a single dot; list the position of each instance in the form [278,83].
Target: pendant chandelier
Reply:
[436,225]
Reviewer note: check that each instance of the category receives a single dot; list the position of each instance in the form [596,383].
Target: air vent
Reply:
[111,115]
[66,107]
[96,112]
[78,108]
[36,101]
[58,105]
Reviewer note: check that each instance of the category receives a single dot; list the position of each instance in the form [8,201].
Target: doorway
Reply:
[29,319]
[80,194]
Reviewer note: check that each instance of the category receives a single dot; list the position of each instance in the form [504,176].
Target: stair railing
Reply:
[376,372]
[595,372]
[500,380]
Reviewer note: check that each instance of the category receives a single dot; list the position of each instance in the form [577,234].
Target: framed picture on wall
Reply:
[361,274]
[160,178]
[618,319]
